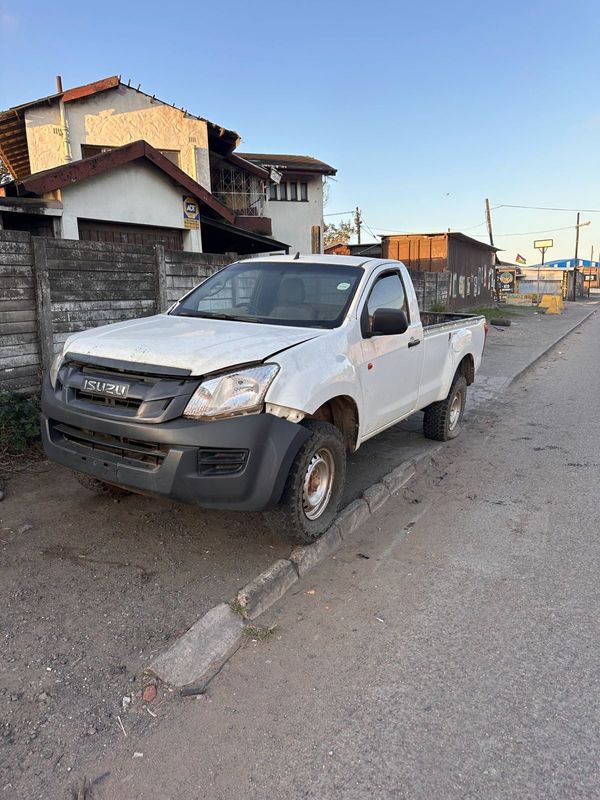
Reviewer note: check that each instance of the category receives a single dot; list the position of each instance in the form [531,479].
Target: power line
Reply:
[530,233]
[546,208]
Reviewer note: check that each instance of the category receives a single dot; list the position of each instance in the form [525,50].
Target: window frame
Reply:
[272,191]
[304,191]
[364,314]
[293,185]
[283,193]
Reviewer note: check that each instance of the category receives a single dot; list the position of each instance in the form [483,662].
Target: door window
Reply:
[388,292]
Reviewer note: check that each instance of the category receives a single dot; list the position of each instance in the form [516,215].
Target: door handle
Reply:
[414,342]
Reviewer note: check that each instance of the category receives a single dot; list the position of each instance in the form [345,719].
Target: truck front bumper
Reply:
[239,463]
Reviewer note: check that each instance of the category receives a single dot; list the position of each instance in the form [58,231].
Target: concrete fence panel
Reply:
[51,288]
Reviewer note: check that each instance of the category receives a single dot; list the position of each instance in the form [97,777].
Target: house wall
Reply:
[133,193]
[116,117]
[292,220]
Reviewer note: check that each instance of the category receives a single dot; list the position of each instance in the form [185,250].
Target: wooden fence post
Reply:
[161,279]
[43,307]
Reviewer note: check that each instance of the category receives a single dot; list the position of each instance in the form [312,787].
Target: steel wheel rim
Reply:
[455,409]
[318,483]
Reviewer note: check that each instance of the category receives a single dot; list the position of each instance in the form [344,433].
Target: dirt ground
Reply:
[93,588]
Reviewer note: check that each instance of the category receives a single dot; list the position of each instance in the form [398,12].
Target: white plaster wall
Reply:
[292,220]
[135,194]
[116,117]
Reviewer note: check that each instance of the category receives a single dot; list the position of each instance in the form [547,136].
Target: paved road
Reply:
[451,651]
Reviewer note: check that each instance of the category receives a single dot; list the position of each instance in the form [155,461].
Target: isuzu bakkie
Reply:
[249,391]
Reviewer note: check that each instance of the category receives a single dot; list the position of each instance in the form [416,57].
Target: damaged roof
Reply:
[14,150]
[290,163]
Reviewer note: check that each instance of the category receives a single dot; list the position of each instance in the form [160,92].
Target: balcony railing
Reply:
[245,204]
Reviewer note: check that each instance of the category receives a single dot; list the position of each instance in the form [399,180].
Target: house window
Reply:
[293,190]
[89,150]
[172,155]
[272,191]
[283,191]
[303,191]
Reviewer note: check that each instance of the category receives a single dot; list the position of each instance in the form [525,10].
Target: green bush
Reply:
[19,421]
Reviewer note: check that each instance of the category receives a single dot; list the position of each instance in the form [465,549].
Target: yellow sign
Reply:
[191,213]
[542,244]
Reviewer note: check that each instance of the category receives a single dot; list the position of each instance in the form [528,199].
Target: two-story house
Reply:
[108,162]
[294,201]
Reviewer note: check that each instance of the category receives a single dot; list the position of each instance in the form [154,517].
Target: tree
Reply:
[338,233]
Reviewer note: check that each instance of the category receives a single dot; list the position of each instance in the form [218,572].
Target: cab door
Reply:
[391,364]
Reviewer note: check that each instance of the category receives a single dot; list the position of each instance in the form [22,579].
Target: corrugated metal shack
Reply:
[471,263]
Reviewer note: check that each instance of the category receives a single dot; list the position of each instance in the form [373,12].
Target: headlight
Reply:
[54,369]
[239,392]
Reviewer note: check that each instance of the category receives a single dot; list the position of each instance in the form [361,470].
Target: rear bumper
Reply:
[262,445]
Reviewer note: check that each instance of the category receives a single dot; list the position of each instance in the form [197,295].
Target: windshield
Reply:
[277,293]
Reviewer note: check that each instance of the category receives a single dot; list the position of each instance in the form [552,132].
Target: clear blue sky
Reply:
[425,108]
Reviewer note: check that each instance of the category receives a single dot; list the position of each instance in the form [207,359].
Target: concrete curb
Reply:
[547,349]
[201,652]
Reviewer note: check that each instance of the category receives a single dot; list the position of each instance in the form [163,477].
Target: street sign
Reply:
[543,244]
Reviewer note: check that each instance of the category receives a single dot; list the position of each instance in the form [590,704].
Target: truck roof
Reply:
[326,260]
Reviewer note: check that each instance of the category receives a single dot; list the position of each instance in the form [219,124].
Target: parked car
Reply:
[249,392]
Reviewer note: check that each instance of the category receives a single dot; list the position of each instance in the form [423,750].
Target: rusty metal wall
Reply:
[470,266]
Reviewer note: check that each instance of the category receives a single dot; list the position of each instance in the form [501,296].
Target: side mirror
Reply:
[388,322]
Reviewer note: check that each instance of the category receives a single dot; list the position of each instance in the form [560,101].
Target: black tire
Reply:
[100,487]
[439,422]
[501,322]
[325,445]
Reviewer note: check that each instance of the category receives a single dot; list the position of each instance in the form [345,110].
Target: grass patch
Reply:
[499,311]
[236,607]
[261,633]
[19,422]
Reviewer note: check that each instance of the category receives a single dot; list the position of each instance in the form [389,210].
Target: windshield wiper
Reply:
[205,315]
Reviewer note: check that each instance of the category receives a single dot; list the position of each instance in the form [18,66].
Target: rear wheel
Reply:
[314,486]
[443,420]
[100,487]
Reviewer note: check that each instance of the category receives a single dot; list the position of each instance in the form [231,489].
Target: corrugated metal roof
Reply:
[290,163]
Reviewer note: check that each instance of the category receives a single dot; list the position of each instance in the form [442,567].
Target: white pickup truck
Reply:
[248,393]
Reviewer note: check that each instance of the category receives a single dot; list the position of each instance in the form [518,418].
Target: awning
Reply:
[221,237]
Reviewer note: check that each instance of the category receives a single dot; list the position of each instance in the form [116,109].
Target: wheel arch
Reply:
[467,368]
[341,411]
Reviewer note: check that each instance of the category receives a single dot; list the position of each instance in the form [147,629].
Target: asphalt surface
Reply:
[449,651]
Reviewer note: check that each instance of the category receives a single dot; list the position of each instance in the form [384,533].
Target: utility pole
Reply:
[488,219]
[576,256]
[357,222]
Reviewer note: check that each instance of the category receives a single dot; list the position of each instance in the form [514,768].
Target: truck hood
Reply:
[200,345]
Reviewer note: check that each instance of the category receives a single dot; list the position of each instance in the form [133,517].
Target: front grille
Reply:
[151,397]
[221,462]
[103,400]
[146,454]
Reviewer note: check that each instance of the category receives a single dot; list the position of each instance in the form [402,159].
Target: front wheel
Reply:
[442,420]
[314,486]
